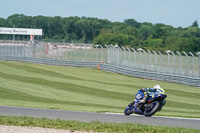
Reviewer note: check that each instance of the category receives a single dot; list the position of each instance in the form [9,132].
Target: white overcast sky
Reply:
[170,12]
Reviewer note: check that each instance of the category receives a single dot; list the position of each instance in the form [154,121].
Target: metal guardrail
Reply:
[151,75]
[51,61]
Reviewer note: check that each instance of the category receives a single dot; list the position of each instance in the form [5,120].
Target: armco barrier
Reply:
[51,61]
[110,68]
[151,75]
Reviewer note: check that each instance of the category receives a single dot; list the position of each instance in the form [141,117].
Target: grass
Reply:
[94,126]
[86,89]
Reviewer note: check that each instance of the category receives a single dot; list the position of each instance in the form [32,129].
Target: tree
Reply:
[132,22]
[111,38]
[193,45]
[151,43]
[144,32]
[70,29]
[195,24]
[176,43]
[83,26]
[2,22]
[128,30]
[191,32]
[95,27]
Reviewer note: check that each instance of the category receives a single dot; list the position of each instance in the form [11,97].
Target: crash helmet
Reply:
[157,86]
[159,89]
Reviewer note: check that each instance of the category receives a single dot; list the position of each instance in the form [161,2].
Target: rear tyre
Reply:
[154,106]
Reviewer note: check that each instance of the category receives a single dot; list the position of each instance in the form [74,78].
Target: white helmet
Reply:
[157,87]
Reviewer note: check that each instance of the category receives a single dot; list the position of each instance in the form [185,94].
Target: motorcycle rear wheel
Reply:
[155,105]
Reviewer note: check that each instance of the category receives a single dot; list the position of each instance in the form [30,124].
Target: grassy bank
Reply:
[94,126]
[85,89]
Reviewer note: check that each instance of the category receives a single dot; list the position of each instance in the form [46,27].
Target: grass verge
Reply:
[94,126]
[86,89]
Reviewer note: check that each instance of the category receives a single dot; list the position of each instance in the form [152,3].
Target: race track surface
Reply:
[102,117]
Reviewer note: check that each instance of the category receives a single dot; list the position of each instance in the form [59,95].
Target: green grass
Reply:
[94,126]
[86,89]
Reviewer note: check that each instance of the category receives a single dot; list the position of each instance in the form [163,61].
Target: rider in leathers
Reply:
[155,89]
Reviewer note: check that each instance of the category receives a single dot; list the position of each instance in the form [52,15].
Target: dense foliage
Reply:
[129,33]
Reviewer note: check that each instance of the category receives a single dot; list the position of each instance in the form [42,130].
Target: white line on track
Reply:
[181,118]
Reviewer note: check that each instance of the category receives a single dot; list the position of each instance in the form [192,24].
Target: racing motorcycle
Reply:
[154,103]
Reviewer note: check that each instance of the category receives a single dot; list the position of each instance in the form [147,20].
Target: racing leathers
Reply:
[146,94]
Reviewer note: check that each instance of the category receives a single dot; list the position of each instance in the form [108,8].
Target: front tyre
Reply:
[129,109]
[152,109]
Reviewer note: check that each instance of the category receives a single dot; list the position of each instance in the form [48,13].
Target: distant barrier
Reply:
[109,68]
[151,75]
[171,68]
[51,61]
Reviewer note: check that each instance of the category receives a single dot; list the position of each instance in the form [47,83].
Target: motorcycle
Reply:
[154,103]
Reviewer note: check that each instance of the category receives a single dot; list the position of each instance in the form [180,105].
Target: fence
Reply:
[172,67]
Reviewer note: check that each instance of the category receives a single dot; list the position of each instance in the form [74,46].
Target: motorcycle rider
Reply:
[156,89]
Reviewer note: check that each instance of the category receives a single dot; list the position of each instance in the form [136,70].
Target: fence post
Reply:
[52,50]
[168,63]
[81,48]
[113,53]
[150,58]
[198,54]
[145,60]
[124,55]
[174,62]
[101,52]
[180,66]
[97,51]
[140,58]
[134,60]
[71,51]
[119,55]
[61,53]
[108,54]
[186,63]
[155,59]
[193,65]
[160,61]
[129,54]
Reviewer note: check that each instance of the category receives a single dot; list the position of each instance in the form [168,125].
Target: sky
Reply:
[178,13]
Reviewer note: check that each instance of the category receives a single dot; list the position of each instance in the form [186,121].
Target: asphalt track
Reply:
[102,117]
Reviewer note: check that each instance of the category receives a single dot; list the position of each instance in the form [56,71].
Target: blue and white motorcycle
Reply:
[154,103]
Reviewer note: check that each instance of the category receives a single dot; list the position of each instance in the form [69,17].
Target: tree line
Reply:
[129,33]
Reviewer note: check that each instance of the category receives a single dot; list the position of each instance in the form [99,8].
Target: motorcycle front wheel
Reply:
[152,108]
[129,109]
